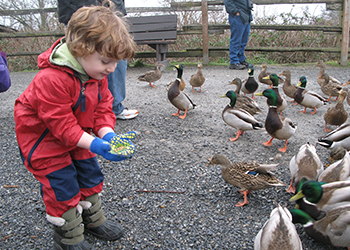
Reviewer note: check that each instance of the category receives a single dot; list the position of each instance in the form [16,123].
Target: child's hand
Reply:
[103,148]
[121,144]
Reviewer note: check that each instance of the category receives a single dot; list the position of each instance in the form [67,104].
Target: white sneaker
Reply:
[128,114]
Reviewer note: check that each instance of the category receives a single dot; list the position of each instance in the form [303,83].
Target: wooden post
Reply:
[205,36]
[345,34]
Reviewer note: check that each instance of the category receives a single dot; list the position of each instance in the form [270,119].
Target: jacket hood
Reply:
[59,57]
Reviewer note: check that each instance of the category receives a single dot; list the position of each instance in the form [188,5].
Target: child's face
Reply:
[97,66]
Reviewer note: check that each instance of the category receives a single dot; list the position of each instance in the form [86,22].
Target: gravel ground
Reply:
[172,155]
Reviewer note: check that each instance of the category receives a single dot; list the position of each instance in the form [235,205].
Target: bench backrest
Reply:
[150,28]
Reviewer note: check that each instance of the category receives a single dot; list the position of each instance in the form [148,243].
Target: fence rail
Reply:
[204,6]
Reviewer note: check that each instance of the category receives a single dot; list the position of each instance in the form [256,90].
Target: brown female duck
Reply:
[264,73]
[198,79]
[246,175]
[288,88]
[328,88]
[336,115]
[152,75]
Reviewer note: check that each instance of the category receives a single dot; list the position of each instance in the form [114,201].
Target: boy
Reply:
[56,115]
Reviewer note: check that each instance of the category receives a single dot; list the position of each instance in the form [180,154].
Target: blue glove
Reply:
[103,148]
[117,141]
[131,135]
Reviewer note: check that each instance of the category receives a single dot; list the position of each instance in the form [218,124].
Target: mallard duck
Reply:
[197,80]
[318,198]
[337,153]
[336,115]
[264,73]
[238,118]
[278,232]
[339,137]
[337,171]
[333,229]
[328,88]
[152,75]
[178,98]
[281,102]
[288,88]
[181,86]
[248,176]
[306,163]
[308,98]
[322,66]
[250,85]
[277,126]
[245,102]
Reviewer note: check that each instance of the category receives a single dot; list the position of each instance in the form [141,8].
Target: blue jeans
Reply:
[116,84]
[239,39]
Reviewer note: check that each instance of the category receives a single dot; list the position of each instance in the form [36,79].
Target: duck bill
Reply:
[266,77]
[259,94]
[298,196]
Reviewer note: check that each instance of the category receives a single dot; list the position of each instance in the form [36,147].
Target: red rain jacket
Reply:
[55,110]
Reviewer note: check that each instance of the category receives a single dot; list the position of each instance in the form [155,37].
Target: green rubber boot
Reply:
[69,231]
[96,223]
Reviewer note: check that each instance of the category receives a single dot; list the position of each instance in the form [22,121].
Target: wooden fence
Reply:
[205,29]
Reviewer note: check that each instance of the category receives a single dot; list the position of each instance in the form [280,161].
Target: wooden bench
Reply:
[155,31]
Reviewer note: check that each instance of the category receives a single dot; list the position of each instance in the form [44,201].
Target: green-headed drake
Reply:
[177,97]
[250,85]
[281,102]
[238,118]
[333,229]
[308,98]
[318,198]
[245,102]
[277,126]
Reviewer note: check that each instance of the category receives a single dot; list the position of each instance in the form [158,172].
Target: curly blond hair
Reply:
[99,29]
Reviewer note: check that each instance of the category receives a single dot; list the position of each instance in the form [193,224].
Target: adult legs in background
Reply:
[245,37]
[116,84]
[238,41]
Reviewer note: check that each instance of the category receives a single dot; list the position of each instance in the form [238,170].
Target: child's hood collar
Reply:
[61,56]
[58,56]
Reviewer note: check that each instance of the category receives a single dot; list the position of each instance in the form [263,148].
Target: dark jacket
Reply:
[66,8]
[244,7]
